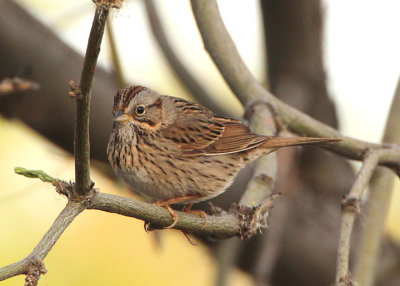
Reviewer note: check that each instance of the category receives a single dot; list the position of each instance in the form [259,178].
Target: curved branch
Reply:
[177,66]
[225,55]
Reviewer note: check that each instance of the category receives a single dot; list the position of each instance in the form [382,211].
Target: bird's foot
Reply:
[167,204]
[171,211]
[187,209]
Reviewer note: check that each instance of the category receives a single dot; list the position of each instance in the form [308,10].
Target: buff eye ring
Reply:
[140,110]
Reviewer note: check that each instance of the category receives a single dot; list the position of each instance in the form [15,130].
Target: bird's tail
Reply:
[276,142]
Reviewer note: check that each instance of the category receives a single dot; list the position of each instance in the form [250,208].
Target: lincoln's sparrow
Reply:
[172,150]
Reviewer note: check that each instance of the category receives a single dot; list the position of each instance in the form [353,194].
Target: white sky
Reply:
[361,49]
[363,62]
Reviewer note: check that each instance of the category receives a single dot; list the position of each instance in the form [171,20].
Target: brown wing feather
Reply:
[194,129]
[197,131]
[236,137]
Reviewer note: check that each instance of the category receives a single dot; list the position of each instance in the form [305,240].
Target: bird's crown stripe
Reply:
[130,93]
[124,96]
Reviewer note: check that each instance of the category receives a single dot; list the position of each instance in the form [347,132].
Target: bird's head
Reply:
[139,106]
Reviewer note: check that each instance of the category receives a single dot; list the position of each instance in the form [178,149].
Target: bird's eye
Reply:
[140,110]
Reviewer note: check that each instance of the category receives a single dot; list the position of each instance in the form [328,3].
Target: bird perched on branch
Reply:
[172,151]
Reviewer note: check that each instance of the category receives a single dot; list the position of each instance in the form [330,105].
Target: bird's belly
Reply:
[159,175]
[145,185]
[203,179]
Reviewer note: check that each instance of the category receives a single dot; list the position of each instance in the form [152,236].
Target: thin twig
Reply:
[63,220]
[39,174]
[378,204]
[225,55]
[81,143]
[350,207]
[181,72]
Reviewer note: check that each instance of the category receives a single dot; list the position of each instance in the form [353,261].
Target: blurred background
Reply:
[336,60]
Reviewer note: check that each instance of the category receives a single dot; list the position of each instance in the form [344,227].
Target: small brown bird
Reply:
[172,151]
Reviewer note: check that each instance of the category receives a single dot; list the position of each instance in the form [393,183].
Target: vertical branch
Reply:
[219,44]
[379,200]
[81,142]
[350,207]
[261,185]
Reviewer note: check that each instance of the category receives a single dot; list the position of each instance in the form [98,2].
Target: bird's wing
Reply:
[197,131]
[194,127]
[236,137]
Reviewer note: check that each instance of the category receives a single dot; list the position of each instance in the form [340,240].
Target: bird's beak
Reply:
[121,117]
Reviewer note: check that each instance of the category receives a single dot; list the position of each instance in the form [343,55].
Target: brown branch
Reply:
[350,207]
[218,226]
[225,55]
[81,142]
[223,226]
[181,72]
[378,203]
